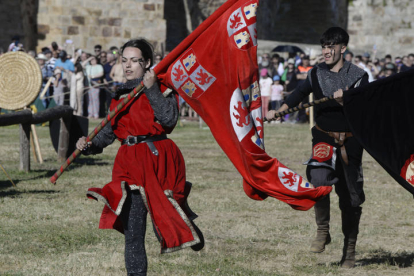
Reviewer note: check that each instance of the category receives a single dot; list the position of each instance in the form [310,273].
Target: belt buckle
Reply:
[131,140]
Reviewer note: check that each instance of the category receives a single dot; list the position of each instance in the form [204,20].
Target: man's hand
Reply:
[270,116]
[338,96]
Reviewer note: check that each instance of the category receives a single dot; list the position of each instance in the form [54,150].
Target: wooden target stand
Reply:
[20,83]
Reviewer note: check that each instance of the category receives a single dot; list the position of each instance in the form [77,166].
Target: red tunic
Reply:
[160,179]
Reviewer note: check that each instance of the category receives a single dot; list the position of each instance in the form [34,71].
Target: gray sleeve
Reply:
[165,108]
[104,138]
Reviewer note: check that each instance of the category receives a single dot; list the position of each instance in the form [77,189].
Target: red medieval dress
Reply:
[160,178]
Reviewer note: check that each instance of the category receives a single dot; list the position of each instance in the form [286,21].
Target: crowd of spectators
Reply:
[87,81]
[288,74]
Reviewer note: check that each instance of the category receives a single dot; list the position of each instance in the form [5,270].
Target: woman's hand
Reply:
[149,78]
[82,144]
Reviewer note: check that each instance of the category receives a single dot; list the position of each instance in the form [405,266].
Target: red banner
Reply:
[215,70]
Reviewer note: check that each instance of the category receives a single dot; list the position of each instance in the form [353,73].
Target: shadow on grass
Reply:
[40,174]
[88,161]
[14,193]
[18,177]
[378,257]
[400,260]
[4,184]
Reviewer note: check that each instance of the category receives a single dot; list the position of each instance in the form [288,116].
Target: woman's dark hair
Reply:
[55,46]
[145,47]
[334,35]
[78,67]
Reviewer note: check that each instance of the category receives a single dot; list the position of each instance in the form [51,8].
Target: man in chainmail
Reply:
[336,155]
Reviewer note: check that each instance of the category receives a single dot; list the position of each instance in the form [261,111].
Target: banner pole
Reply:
[301,106]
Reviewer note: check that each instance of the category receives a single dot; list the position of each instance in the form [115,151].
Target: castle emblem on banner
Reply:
[241,26]
[188,75]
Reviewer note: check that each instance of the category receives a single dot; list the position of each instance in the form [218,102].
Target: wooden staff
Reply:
[42,95]
[301,106]
[311,112]
[91,135]
[7,175]
[36,144]
[33,147]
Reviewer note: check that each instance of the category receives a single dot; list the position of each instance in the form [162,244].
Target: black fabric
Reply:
[348,179]
[381,118]
[134,221]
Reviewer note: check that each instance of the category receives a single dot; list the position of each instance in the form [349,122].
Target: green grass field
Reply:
[53,230]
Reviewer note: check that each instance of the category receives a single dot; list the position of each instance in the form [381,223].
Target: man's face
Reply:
[115,53]
[348,57]
[103,57]
[41,62]
[332,53]
[388,73]
[97,51]
[110,57]
[157,59]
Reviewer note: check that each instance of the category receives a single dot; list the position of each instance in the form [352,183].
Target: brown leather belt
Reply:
[339,139]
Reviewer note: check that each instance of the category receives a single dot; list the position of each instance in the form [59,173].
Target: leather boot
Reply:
[322,216]
[350,228]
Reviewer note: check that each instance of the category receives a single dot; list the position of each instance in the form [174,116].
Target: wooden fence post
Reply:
[64,138]
[24,147]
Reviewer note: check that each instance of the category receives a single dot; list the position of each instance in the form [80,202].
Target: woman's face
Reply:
[94,61]
[133,63]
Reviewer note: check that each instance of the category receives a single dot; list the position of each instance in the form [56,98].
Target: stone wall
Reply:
[10,22]
[384,23]
[299,21]
[388,24]
[105,22]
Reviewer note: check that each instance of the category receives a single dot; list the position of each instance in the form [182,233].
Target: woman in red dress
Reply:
[149,169]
